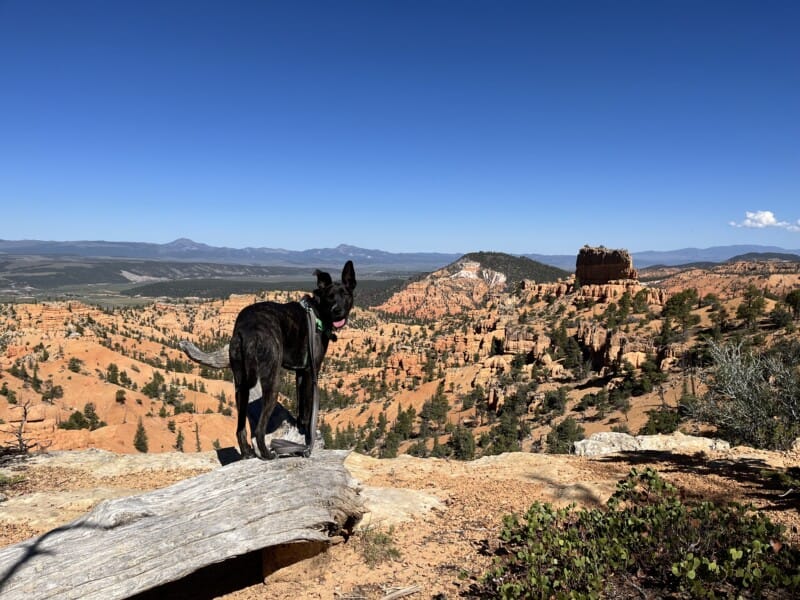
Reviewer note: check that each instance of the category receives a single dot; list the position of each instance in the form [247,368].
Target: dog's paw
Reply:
[247,453]
[263,452]
[270,454]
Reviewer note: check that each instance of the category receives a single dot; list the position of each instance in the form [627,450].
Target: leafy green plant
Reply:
[463,443]
[645,538]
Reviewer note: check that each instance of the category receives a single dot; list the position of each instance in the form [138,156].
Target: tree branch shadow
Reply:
[32,548]
[755,479]
[578,493]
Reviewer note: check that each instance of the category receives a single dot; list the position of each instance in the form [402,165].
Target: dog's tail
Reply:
[216,359]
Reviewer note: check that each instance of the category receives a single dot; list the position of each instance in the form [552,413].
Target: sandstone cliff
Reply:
[601,265]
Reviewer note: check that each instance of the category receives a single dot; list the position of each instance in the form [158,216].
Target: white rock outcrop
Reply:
[607,442]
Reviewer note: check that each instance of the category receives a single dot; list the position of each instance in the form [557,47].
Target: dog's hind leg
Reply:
[269,376]
[242,398]
[243,381]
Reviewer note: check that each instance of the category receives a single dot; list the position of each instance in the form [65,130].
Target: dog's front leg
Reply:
[306,415]
[305,398]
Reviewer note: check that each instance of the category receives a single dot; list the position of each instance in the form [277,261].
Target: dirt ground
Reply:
[440,515]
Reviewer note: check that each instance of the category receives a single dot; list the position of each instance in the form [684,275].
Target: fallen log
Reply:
[133,545]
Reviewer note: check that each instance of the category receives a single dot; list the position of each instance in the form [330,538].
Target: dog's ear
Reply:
[323,278]
[349,276]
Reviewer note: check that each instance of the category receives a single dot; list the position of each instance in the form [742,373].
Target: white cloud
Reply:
[761,219]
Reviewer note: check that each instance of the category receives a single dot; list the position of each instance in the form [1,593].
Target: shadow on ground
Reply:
[754,479]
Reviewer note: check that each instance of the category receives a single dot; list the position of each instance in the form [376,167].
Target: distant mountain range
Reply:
[668,258]
[186,250]
[367,261]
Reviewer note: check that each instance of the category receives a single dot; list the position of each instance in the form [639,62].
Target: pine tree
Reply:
[463,443]
[327,435]
[179,441]
[140,439]
[752,307]
[793,301]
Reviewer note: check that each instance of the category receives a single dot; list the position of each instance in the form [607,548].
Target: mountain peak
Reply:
[183,243]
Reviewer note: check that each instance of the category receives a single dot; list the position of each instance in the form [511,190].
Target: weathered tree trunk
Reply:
[130,545]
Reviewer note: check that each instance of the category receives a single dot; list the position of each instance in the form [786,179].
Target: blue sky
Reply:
[403,126]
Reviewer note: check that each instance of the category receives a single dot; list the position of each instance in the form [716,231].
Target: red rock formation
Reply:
[543,290]
[521,340]
[615,347]
[459,288]
[612,292]
[601,265]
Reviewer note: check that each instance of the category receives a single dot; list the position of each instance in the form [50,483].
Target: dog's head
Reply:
[335,299]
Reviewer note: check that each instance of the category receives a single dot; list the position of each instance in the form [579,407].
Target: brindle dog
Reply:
[268,336]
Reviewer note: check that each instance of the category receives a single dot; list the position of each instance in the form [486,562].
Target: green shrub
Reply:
[87,419]
[660,420]
[463,443]
[140,438]
[555,401]
[7,481]
[76,420]
[563,435]
[753,398]
[644,539]
[377,546]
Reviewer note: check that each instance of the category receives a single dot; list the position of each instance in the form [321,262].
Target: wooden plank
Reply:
[130,545]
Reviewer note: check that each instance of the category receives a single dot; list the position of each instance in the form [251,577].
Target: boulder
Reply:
[606,442]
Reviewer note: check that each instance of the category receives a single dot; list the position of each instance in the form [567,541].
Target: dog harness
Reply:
[318,324]
[314,325]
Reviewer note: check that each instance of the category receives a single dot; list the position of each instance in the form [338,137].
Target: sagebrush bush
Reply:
[644,539]
[753,398]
